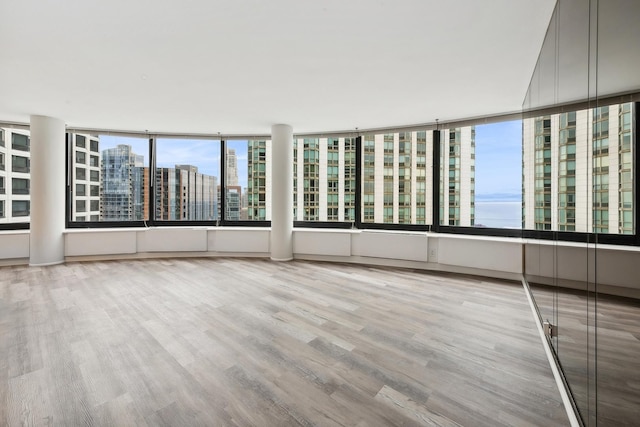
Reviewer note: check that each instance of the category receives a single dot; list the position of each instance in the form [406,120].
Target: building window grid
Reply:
[567,172]
[601,169]
[542,167]
[295,178]
[368,181]
[421,177]
[453,171]
[625,170]
[333,178]
[257,183]
[472,195]
[349,179]
[388,145]
[404,177]
[311,179]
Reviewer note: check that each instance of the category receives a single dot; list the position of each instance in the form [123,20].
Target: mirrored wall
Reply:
[580,203]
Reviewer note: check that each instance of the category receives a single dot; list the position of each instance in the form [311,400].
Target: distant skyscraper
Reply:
[257,198]
[184,194]
[571,184]
[233,203]
[232,167]
[124,185]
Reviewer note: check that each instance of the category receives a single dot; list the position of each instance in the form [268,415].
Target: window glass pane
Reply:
[20,164]
[15,168]
[20,141]
[498,175]
[324,179]
[20,185]
[248,192]
[118,178]
[187,179]
[20,208]
[81,157]
[396,186]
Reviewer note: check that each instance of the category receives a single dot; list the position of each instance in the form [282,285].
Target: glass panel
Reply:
[20,164]
[457,176]
[324,171]
[117,178]
[498,175]
[186,179]
[248,195]
[15,168]
[396,180]
[20,208]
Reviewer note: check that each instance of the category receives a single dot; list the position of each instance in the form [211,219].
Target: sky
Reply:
[499,161]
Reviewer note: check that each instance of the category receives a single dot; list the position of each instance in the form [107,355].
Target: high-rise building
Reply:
[15,178]
[395,188]
[457,177]
[124,190]
[86,156]
[257,197]
[324,179]
[182,193]
[571,185]
[232,167]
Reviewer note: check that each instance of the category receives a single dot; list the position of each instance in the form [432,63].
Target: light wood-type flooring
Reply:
[598,345]
[247,342]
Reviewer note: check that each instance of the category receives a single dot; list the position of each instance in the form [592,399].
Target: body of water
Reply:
[499,214]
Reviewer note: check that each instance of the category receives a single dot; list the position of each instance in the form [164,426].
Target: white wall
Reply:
[565,263]
[14,247]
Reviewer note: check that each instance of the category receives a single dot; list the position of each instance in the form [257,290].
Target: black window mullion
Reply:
[636,161]
[435,183]
[68,197]
[358,199]
[223,182]
[152,182]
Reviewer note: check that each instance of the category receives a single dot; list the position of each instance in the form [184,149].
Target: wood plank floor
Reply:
[245,342]
[610,397]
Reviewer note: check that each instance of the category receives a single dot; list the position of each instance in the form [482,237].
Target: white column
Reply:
[47,191]
[282,193]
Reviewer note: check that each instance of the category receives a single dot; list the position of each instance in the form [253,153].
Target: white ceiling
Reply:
[239,66]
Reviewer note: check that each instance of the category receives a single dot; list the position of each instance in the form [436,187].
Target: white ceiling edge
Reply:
[204,67]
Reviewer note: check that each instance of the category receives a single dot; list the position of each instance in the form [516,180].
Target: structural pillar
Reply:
[46,240]
[282,193]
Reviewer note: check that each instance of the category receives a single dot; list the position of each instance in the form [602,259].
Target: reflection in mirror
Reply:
[561,152]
